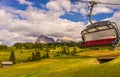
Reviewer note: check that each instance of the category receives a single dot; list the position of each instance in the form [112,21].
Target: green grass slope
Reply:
[64,67]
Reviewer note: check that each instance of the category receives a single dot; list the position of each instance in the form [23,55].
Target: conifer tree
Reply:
[38,56]
[44,56]
[74,51]
[47,53]
[12,57]
[29,58]
[33,56]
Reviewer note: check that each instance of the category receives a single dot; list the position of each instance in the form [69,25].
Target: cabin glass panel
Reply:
[84,32]
[104,34]
[102,27]
[92,30]
[111,26]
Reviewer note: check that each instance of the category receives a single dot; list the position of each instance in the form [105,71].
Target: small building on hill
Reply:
[6,63]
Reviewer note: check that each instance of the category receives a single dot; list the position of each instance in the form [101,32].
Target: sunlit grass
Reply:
[79,67]
[47,66]
[62,66]
[96,53]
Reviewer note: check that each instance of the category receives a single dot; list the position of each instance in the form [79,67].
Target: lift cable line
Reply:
[99,33]
[92,4]
[95,2]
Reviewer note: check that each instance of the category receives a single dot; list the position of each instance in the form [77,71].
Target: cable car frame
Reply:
[95,30]
[110,34]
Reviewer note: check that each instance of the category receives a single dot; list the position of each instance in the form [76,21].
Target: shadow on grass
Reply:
[72,57]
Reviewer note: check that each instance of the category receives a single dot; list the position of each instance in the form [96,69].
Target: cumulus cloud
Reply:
[80,8]
[116,18]
[54,6]
[10,38]
[36,22]
[59,5]
[101,9]
[25,2]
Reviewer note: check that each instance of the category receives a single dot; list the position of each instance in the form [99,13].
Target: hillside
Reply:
[61,64]
[64,67]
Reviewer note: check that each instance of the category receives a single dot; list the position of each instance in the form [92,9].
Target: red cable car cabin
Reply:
[100,33]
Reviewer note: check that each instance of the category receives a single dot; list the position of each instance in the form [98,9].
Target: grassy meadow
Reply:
[82,64]
[63,67]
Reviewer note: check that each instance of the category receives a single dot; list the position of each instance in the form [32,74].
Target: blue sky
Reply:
[40,4]
[25,20]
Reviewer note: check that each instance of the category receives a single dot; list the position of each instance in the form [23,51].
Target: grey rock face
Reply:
[44,39]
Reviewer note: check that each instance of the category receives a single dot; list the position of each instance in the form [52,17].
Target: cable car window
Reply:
[111,26]
[84,32]
[102,27]
[92,30]
[100,35]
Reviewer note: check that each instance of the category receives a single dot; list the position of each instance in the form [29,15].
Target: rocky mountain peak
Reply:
[44,39]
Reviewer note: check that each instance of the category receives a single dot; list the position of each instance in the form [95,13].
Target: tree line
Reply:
[35,56]
[41,46]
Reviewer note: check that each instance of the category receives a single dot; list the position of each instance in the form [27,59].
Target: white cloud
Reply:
[25,2]
[9,38]
[116,18]
[5,18]
[38,22]
[59,5]
[109,6]
[80,8]
[101,9]
[54,6]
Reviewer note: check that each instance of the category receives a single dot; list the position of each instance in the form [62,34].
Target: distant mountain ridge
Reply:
[44,39]
[65,39]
